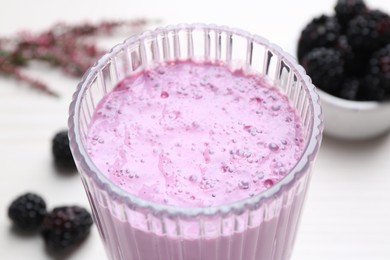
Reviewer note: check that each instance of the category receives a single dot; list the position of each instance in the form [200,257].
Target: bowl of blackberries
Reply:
[347,56]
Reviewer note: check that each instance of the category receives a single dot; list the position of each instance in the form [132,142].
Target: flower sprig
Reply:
[68,47]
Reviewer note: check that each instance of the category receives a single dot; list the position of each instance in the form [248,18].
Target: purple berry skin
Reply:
[65,227]
[325,66]
[27,211]
[322,31]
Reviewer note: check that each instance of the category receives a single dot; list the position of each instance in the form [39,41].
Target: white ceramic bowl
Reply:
[354,120]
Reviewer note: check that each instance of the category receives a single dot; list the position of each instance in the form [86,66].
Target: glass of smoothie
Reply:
[196,142]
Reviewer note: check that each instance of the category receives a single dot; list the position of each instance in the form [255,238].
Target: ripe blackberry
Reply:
[355,63]
[347,9]
[65,227]
[369,32]
[350,89]
[372,91]
[325,67]
[322,31]
[61,150]
[378,75]
[27,211]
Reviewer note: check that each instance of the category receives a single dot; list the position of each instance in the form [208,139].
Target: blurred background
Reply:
[347,214]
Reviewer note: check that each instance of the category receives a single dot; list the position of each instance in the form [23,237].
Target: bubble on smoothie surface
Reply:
[194,134]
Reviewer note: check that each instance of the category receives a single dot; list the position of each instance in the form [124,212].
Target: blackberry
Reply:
[27,211]
[322,31]
[372,91]
[347,9]
[65,227]
[350,89]
[369,32]
[377,85]
[61,150]
[355,63]
[325,67]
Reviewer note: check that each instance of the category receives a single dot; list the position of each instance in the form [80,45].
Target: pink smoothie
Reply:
[190,134]
[197,135]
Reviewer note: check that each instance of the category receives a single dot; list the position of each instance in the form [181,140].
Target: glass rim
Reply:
[84,161]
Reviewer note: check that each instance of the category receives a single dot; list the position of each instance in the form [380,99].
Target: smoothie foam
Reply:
[194,134]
